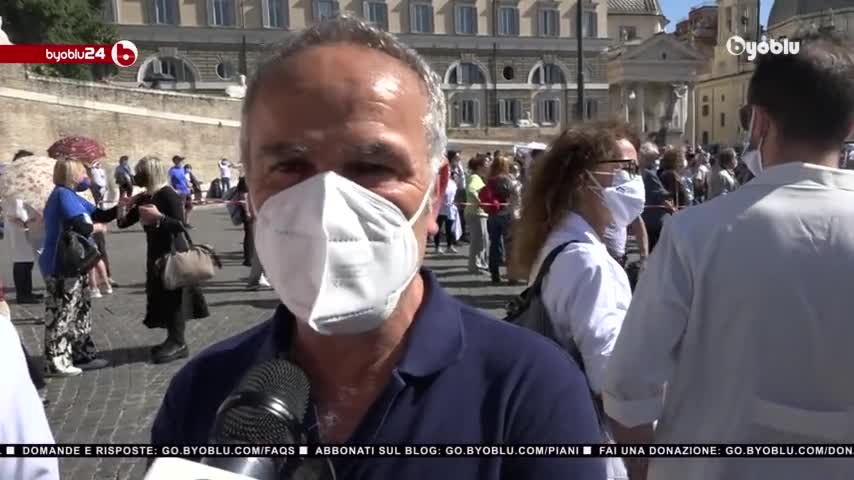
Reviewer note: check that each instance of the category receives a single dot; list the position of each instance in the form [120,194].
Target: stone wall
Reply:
[36,111]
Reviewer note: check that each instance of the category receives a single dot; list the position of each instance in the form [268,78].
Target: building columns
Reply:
[641,100]
[692,101]
[626,110]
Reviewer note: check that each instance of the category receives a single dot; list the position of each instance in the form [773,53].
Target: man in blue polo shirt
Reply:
[345,195]
[178,180]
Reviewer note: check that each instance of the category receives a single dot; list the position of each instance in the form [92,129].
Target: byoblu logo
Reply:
[738,46]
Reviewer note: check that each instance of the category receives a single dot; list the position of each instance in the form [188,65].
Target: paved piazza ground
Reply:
[117,404]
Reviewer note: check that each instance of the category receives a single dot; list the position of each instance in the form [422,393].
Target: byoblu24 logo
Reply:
[738,46]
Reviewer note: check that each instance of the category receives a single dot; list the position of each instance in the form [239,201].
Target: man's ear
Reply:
[761,125]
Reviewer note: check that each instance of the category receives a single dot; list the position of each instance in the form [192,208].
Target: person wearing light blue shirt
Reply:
[22,417]
[178,177]
[178,181]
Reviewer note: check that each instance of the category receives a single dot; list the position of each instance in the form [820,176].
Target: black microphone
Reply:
[267,408]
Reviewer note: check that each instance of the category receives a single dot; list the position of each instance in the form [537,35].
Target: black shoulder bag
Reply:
[528,311]
[76,254]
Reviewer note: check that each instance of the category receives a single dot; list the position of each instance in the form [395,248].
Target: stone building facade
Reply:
[722,91]
[36,111]
[509,66]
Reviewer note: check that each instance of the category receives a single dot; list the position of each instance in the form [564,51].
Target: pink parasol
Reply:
[78,148]
[30,179]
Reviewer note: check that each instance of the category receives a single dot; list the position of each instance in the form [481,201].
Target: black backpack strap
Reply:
[572,348]
[546,266]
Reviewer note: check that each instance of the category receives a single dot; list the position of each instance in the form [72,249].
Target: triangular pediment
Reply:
[662,48]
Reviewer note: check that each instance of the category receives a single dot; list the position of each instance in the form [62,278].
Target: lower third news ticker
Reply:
[603,450]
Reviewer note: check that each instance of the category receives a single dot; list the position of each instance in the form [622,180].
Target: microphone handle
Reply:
[258,468]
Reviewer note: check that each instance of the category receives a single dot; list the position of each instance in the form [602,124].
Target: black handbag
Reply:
[528,311]
[76,254]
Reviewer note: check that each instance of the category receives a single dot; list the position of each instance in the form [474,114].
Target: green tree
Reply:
[60,22]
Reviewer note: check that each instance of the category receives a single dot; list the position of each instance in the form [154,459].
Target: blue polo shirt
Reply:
[178,180]
[464,377]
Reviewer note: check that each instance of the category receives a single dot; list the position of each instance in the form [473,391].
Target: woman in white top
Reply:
[20,219]
[449,217]
[586,181]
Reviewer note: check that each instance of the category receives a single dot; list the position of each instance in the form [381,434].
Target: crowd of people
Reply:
[738,310]
[158,196]
[489,190]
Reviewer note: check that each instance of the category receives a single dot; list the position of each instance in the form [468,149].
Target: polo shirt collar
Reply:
[435,339]
[797,172]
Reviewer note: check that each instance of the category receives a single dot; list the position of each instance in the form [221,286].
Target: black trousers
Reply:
[448,225]
[248,243]
[22,275]
[126,189]
[101,242]
[652,234]
[36,370]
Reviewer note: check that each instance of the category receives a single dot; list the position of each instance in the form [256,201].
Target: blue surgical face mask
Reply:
[83,185]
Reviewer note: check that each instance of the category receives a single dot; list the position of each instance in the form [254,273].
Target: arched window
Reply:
[547,74]
[466,74]
[176,68]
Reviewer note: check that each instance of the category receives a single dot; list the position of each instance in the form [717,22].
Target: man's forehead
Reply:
[344,80]
[345,63]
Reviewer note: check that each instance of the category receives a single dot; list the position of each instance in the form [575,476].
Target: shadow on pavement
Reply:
[127,356]
[442,268]
[28,321]
[441,274]
[445,256]
[479,283]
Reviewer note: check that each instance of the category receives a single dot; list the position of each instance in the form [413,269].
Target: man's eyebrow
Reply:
[281,149]
[377,149]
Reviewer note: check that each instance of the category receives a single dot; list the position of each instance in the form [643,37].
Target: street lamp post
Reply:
[579,20]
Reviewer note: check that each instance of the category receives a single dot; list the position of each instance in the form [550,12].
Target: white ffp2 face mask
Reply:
[625,199]
[752,158]
[338,255]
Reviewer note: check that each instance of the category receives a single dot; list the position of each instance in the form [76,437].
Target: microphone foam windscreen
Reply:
[255,424]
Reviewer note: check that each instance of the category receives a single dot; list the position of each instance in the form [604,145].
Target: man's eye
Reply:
[368,169]
[292,166]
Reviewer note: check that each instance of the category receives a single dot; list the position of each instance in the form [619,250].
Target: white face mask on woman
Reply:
[338,255]
[625,198]
[752,158]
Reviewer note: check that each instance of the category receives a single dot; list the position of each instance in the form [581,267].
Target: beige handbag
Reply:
[192,267]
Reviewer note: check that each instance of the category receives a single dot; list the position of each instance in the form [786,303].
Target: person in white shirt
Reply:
[19,218]
[615,238]
[744,312]
[697,174]
[449,217]
[579,187]
[722,179]
[458,172]
[22,417]
[99,183]
[225,175]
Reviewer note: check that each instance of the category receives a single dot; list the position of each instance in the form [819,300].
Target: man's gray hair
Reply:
[355,31]
[649,152]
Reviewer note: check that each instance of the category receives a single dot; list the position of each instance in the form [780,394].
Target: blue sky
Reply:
[676,10]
